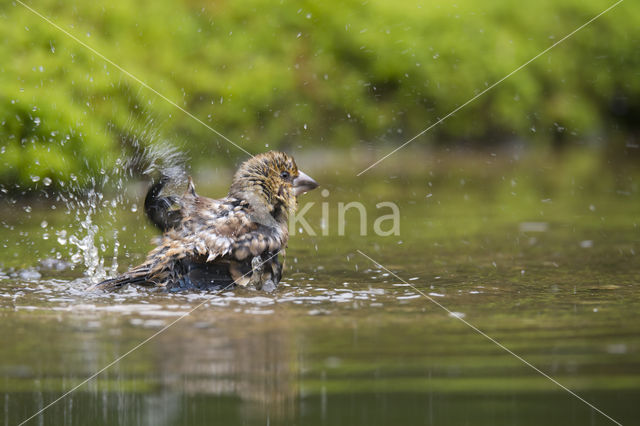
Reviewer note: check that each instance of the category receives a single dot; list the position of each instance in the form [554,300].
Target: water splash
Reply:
[144,154]
[153,155]
[85,249]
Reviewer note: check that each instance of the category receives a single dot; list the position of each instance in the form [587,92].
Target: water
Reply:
[545,263]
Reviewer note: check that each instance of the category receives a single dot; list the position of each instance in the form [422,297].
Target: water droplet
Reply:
[62,237]
[586,244]
[44,224]
[35,178]
[134,208]
[46,181]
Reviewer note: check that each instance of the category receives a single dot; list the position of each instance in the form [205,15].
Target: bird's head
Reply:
[271,181]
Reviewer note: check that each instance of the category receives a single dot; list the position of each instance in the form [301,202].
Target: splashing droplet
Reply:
[62,240]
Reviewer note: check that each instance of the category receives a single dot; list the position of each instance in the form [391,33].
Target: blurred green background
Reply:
[309,74]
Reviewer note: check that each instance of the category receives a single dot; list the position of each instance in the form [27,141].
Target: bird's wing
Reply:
[223,228]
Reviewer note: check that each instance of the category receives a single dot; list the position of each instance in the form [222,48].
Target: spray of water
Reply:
[144,154]
[84,242]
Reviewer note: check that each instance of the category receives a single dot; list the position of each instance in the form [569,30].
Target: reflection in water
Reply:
[245,354]
[253,360]
[367,354]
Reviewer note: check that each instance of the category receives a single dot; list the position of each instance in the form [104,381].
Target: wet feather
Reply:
[213,244]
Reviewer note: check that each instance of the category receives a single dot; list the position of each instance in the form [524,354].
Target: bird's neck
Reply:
[264,213]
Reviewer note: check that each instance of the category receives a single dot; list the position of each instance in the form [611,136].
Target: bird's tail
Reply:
[138,275]
[161,211]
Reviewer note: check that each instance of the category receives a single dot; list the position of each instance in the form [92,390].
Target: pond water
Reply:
[542,259]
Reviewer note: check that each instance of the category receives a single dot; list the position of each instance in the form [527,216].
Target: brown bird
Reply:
[213,244]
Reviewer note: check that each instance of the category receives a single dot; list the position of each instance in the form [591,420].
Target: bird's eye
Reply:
[284,175]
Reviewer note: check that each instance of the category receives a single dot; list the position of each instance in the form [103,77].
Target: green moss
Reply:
[314,72]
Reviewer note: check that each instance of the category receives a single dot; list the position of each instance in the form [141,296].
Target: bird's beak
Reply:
[303,183]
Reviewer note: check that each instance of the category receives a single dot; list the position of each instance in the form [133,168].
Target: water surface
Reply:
[545,265]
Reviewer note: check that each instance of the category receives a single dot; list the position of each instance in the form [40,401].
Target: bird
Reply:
[215,244]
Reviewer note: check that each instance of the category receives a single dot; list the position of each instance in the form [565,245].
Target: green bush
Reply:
[301,74]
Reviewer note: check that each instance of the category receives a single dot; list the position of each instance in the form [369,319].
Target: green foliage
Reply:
[301,74]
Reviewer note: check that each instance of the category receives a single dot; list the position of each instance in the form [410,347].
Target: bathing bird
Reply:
[212,244]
